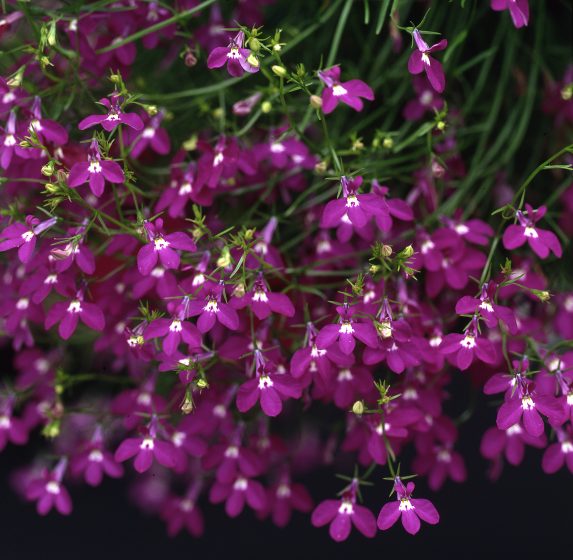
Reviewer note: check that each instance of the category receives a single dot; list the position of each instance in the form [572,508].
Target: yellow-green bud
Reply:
[202,384]
[48,169]
[358,408]
[441,125]
[320,167]
[315,102]
[266,107]
[388,143]
[279,71]
[408,251]
[386,250]
[253,60]
[254,44]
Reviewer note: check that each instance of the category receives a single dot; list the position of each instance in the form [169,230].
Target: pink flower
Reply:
[518,9]
[23,236]
[95,171]
[174,331]
[235,56]
[421,61]
[264,302]
[348,92]
[559,453]
[461,349]
[541,241]
[161,248]
[342,514]
[68,313]
[411,510]
[238,492]
[211,310]
[49,491]
[114,116]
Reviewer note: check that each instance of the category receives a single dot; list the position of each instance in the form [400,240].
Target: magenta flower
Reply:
[211,310]
[510,442]
[46,129]
[68,313]
[411,510]
[286,496]
[23,236]
[559,453]
[342,514]
[462,349]
[348,92]
[237,58]
[95,171]
[152,136]
[268,386]
[490,311]
[161,248]
[145,449]
[8,141]
[114,116]
[421,61]
[541,241]
[174,331]
[235,494]
[526,404]
[426,100]
[353,207]
[346,331]
[49,491]
[264,302]
[518,9]
[180,512]
[11,429]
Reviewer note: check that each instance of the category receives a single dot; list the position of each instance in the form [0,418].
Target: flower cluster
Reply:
[195,255]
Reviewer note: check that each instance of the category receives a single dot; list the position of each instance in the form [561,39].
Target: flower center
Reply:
[22,304]
[27,236]
[530,232]
[240,484]
[211,306]
[159,244]
[468,342]
[53,487]
[234,53]
[10,140]
[344,375]
[232,452]
[566,447]
[148,133]
[486,305]
[405,505]
[75,306]
[185,188]
[283,491]
[277,148]
[514,430]
[218,159]
[346,508]
[385,329]
[265,382]
[175,326]
[338,90]
[260,295]
[425,59]
[147,444]
[527,403]
[352,201]
[426,98]
[346,328]
[96,456]
[5,423]
[94,167]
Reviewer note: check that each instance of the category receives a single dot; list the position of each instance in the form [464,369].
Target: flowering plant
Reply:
[255,225]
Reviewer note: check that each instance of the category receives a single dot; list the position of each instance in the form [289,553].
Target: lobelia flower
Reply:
[354,207]
[174,331]
[46,129]
[518,9]
[179,512]
[349,92]
[211,309]
[267,387]
[24,236]
[524,403]
[411,510]
[8,141]
[95,171]
[461,349]
[237,58]
[11,429]
[510,442]
[68,313]
[342,514]
[346,331]
[264,302]
[541,241]
[95,461]
[559,453]
[152,136]
[49,491]
[489,311]
[286,496]
[146,449]
[74,251]
[421,61]
[426,100]
[238,492]
[114,116]
[161,248]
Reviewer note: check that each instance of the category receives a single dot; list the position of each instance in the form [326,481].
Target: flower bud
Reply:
[438,170]
[202,384]
[266,107]
[277,47]
[567,92]
[51,188]
[279,71]
[152,110]
[254,44]
[358,408]
[441,125]
[190,144]
[24,144]
[388,143]
[52,429]
[315,102]
[386,250]
[187,406]
[189,59]
[48,169]
[320,167]
[408,251]
[225,259]
[253,60]
[115,78]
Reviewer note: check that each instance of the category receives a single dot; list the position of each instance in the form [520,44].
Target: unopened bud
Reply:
[386,250]
[190,144]
[315,102]
[543,295]
[189,59]
[567,92]
[48,169]
[279,71]
[358,408]
[277,47]
[441,125]
[253,60]
[438,170]
[202,384]
[51,188]
[388,143]
[52,429]
[187,406]
[266,107]
[152,110]
[254,44]
[320,167]
[408,251]
[225,259]
[115,78]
